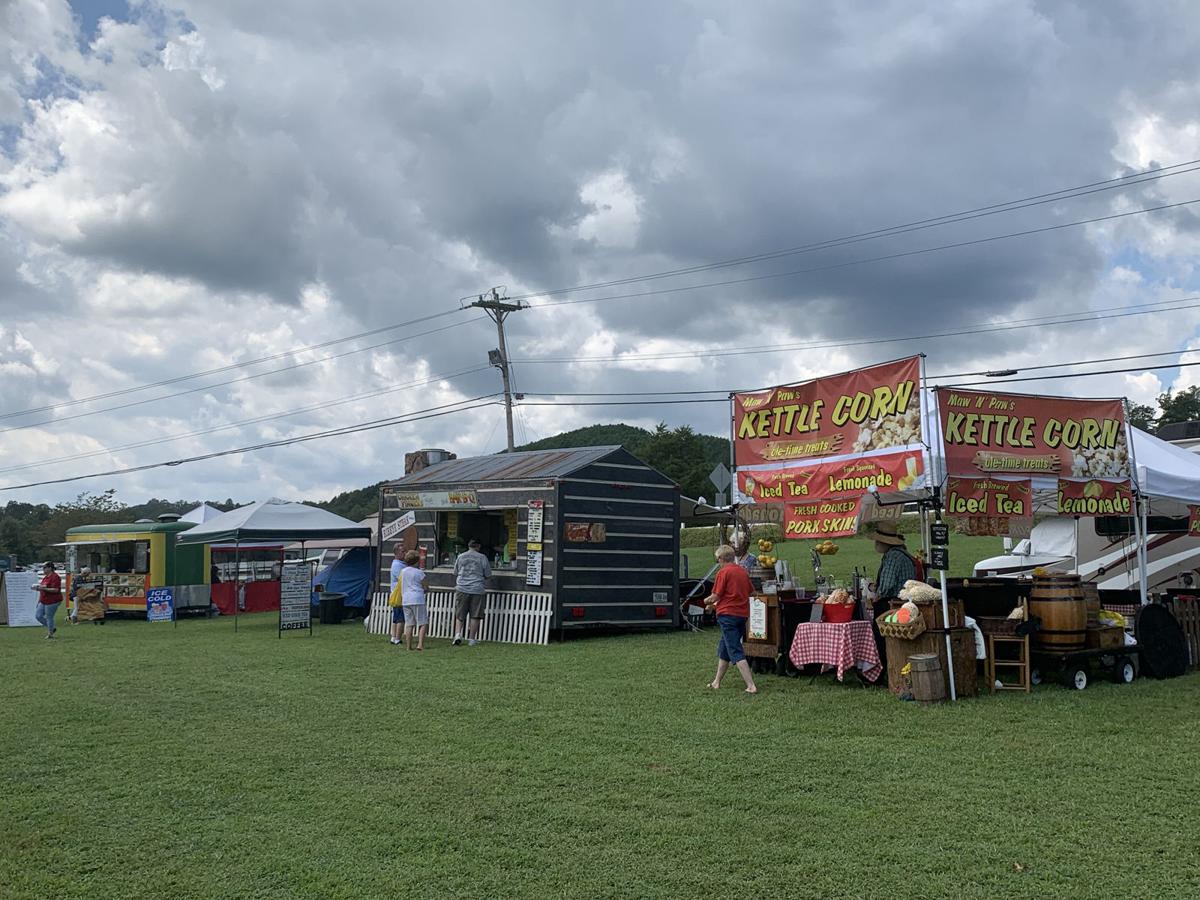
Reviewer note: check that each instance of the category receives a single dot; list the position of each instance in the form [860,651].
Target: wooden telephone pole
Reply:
[498,310]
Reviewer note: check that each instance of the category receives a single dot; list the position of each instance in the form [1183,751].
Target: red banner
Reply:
[821,518]
[987,506]
[989,497]
[1094,498]
[1194,521]
[877,408]
[887,473]
[994,434]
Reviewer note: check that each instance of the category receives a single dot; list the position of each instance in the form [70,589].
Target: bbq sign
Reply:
[877,408]
[1014,434]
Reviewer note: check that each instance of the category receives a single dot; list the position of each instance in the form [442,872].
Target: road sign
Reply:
[719,502]
[720,477]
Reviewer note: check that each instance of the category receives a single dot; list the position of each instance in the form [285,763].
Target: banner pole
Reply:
[935,496]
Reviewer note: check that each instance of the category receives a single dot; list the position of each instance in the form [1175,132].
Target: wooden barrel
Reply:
[1091,598]
[928,685]
[1058,600]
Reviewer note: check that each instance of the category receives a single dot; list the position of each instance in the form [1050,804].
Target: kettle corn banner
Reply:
[1094,498]
[887,473]
[1194,521]
[987,506]
[987,433]
[877,408]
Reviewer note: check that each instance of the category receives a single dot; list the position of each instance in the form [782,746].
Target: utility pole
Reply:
[498,310]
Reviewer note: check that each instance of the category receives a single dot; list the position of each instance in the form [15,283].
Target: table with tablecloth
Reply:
[842,645]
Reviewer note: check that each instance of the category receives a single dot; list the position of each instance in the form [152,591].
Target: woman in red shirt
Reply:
[49,597]
[731,599]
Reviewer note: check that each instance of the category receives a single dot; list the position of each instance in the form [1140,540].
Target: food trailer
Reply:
[577,538]
[131,558]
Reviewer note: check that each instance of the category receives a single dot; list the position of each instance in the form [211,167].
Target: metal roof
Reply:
[527,465]
[131,528]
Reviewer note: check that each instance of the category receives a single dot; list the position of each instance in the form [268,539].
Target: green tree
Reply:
[1142,416]
[1181,407]
[679,454]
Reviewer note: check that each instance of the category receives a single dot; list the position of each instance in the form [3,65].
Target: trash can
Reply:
[330,607]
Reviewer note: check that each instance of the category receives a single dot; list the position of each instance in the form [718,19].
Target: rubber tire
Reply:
[1035,677]
[1075,678]
[1124,671]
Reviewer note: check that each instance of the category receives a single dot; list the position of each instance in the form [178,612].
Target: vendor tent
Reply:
[351,575]
[201,513]
[274,520]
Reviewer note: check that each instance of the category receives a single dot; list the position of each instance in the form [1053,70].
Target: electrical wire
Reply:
[255,421]
[244,378]
[1056,377]
[418,416]
[979,328]
[232,366]
[890,231]
[870,259]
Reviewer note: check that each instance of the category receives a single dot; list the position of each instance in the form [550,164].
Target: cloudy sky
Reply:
[191,186]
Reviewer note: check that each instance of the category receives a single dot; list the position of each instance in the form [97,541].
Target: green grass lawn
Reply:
[965,551]
[141,760]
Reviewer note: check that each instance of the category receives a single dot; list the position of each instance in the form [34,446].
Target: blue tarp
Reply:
[351,575]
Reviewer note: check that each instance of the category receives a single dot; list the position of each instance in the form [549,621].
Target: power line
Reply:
[1177,365]
[232,366]
[418,416]
[871,259]
[244,378]
[254,421]
[981,328]
[1068,364]
[890,231]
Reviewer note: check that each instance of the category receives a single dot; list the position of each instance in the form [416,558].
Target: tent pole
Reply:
[935,493]
[237,582]
[1140,510]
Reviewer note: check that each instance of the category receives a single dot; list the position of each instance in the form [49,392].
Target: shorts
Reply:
[416,614]
[397,615]
[729,646]
[464,602]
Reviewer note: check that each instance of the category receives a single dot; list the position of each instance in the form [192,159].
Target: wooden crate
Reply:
[1109,637]
[767,647]
[962,642]
[931,612]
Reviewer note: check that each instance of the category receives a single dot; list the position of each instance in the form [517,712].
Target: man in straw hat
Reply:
[895,568]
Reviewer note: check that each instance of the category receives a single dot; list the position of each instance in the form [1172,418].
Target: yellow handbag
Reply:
[396,599]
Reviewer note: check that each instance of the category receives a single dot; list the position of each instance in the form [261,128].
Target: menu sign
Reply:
[1094,498]
[437,500]
[996,434]
[534,521]
[887,473]
[877,408]
[295,596]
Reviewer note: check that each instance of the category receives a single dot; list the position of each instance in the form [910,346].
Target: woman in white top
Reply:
[412,591]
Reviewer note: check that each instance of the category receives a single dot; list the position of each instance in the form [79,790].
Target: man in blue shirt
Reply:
[398,609]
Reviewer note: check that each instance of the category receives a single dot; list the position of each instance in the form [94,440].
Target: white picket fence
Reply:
[510,617]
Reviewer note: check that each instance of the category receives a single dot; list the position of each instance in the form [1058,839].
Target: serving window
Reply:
[118,557]
[495,529]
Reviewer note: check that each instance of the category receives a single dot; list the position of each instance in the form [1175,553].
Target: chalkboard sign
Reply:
[939,557]
[939,534]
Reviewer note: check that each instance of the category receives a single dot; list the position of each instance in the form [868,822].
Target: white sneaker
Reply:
[457,640]
[472,642]
[395,640]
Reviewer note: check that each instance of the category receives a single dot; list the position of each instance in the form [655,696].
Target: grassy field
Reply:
[139,760]
[856,551]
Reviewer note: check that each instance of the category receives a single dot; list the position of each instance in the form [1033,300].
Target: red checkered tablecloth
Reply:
[845,645]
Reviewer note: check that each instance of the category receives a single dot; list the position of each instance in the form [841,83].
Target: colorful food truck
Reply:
[132,558]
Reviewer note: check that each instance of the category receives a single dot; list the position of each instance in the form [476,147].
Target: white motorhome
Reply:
[1103,550]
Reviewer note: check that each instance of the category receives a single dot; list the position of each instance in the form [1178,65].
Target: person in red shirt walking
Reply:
[731,600]
[49,597]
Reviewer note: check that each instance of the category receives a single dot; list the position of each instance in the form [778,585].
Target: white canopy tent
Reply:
[201,513]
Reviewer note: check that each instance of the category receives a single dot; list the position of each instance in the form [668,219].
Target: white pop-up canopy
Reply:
[201,513]
[274,520]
